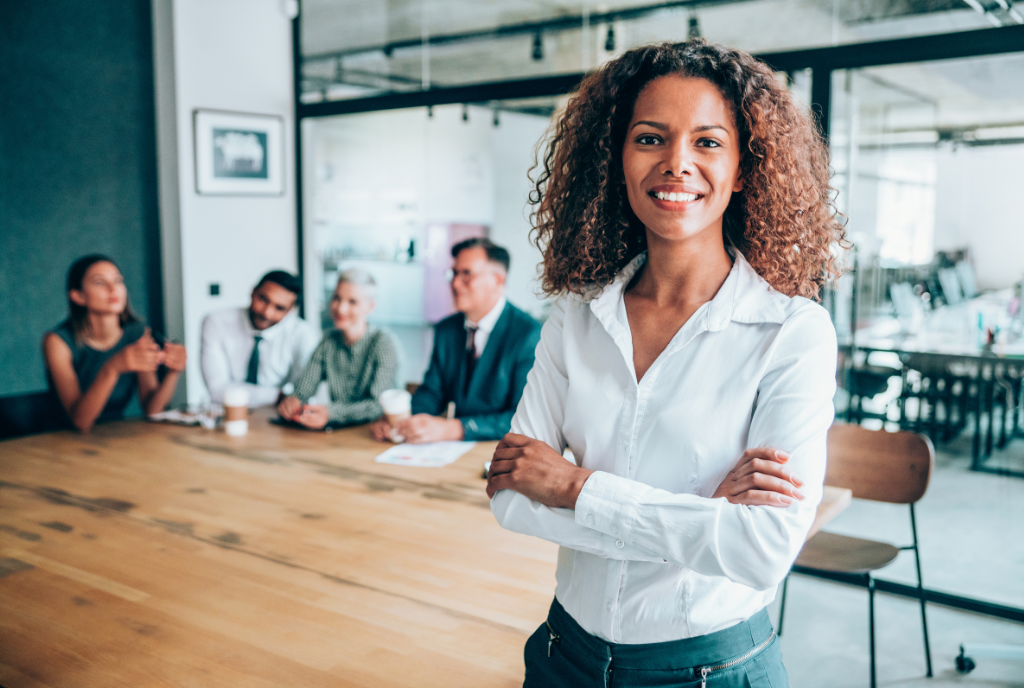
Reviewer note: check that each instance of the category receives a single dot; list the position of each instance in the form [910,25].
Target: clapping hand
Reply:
[175,356]
[143,355]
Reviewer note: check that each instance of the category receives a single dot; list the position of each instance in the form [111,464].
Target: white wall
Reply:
[231,55]
[978,205]
[513,144]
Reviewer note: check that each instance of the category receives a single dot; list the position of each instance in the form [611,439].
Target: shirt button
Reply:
[620,544]
[609,606]
[590,519]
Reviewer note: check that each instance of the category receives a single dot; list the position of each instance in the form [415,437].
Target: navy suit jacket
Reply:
[499,376]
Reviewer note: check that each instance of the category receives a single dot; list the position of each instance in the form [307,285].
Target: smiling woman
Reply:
[782,218]
[684,213]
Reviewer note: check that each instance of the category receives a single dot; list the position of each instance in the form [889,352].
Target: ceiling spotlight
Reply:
[465,112]
[609,41]
[538,47]
[694,31]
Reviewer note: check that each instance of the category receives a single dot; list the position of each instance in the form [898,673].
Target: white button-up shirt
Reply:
[228,339]
[486,325]
[647,555]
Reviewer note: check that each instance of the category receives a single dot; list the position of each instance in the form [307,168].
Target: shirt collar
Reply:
[339,336]
[744,297]
[488,322]
[271,332]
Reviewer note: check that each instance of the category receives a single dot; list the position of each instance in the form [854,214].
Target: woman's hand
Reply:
[761,479]
[315,417]
[141,356]
[175,356]
[535,470]
[289,407]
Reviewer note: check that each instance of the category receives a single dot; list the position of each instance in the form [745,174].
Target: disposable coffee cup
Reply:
[236,411]
[397,405]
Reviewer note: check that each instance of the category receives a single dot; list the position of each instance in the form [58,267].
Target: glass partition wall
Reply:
[355,49]
[926,159]
[927,166]
[391,192]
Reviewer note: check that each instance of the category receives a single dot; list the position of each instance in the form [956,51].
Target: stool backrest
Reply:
[892,467]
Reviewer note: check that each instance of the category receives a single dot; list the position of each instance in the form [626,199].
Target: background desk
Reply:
[152,555]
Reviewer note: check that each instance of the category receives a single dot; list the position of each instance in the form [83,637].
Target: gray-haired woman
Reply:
[358,361]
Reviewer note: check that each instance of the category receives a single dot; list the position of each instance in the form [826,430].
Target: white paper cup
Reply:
[397,405]
[236,428]
[236,411]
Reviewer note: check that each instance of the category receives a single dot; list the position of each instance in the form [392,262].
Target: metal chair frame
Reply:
[867,579]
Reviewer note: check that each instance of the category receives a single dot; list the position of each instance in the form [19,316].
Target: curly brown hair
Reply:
[784,220]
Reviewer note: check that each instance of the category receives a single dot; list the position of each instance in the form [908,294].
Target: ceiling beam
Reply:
[554,24]
[976,43]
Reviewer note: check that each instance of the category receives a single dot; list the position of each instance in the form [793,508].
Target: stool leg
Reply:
[871,627]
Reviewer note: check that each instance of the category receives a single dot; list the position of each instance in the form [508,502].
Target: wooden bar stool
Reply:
[892,467]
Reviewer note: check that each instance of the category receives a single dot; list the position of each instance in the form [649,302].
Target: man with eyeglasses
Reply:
[481,355]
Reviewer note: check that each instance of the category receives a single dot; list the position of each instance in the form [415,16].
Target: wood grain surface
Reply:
[155,555]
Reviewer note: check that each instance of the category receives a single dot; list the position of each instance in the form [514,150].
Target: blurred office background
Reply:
[411,124]
[419,123]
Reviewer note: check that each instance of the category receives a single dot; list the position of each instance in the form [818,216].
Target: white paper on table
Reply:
[430,455]
[175,416]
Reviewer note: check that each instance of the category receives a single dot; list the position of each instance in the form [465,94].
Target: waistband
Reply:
[704,650]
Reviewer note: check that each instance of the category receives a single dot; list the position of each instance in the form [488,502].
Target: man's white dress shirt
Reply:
[647,556]
[228,339]
[486,326]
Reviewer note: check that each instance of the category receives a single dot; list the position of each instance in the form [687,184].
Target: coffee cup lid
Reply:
[236,396]
[397,399]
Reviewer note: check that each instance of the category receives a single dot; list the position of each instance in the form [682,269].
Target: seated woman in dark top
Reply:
[99,356]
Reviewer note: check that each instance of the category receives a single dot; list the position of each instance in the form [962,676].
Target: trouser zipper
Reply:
[704,671]
[552,636]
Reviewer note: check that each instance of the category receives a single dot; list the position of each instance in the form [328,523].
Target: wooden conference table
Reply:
[947,343]
[157,555]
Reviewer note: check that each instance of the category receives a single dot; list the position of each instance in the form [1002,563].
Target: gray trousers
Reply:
[561,654]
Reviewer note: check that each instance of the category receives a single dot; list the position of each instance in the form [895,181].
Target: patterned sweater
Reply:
[355,375]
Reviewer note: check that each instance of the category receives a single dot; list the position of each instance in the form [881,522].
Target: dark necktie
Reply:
[254,361]
[470,355]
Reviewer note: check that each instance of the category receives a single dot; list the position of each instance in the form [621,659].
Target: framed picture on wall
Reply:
[238,154]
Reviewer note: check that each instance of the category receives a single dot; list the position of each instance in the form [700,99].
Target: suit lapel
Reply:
[492,352]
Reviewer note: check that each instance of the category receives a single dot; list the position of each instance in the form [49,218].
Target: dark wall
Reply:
[77,165]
